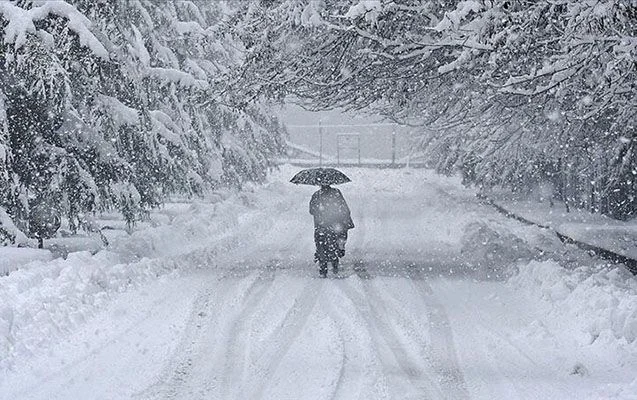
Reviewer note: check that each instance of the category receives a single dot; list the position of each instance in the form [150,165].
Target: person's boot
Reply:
[323,269]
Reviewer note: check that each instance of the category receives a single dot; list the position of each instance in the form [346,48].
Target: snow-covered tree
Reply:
[510,92]
[117,104]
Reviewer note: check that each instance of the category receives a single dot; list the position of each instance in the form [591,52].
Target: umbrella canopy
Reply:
[320,176]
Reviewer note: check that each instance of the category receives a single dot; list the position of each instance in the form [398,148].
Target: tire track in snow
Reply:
[72,370]
[237,345]
[445,359]
[358,351]
[172,384]
[439,348]
[175,376]
[514,389]
[343,365]
[284,335]
[371,307]
[232,351]
[489,340]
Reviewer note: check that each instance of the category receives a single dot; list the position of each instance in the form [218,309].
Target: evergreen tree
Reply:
[117,104]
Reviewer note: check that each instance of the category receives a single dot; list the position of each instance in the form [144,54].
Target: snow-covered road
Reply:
[406,318]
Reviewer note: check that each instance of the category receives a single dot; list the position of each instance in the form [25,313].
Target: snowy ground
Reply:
[440,297]
[594,229]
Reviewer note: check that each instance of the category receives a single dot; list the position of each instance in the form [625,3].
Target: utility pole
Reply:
[359,149]
[320,144]
[393,147]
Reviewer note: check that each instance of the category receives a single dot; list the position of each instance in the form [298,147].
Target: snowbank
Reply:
[46,300]
[593,229]
[601,301]
[11,258]
[484,247]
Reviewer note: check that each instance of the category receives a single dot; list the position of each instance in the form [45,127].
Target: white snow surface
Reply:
[8,226]
[453,19]
[171,75]
[122,114]
[11,258]
[21,23]
[594,229]
[438,297]
[369,9]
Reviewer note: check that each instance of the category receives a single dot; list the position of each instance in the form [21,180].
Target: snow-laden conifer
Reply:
[118,104]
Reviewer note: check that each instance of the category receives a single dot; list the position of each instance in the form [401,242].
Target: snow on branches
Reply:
[21,22]
[509,92]
[118,104]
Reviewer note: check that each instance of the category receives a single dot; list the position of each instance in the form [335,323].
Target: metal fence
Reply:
[364,145]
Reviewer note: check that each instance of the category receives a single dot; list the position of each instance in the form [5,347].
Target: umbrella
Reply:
[320,176]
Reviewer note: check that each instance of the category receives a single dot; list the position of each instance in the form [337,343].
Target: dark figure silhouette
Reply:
[332,220]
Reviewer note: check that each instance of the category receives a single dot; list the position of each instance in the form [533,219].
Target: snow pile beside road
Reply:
[183,233]
[12,257]
[46,300]
[601,302]
[483,246]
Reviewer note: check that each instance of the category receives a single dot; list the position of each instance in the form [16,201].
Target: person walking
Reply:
[332,220]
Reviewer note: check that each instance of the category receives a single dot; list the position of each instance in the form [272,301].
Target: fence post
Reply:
[320,128]
[359,150]
[338,150]
[393,148]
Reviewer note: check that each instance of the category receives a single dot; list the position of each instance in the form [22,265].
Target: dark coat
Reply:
[330,210]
